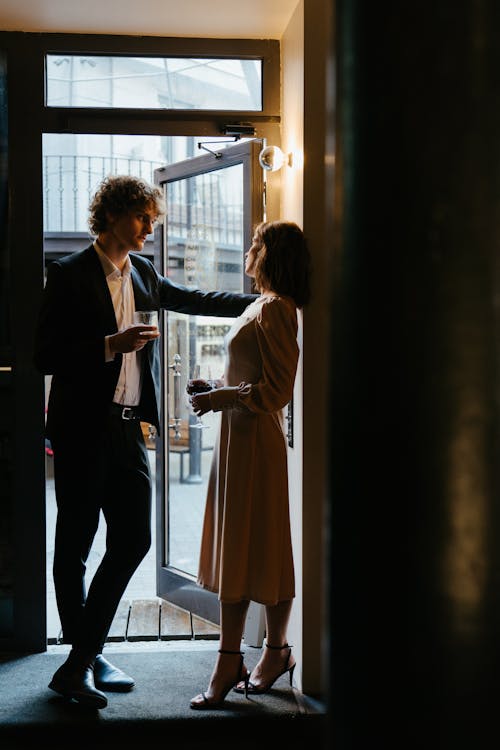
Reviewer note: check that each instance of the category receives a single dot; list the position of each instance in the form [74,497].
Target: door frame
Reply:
[177,588]
[23,624]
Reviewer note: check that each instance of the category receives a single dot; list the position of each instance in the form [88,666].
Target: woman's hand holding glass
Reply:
[198,390]
[200,403]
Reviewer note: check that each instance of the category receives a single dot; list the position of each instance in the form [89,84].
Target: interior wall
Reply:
[317,326]
[292,141]
[303,200]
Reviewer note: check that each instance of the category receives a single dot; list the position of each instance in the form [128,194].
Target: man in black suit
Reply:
[105,381]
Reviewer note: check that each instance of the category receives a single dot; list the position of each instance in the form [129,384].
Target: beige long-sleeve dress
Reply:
[246,550]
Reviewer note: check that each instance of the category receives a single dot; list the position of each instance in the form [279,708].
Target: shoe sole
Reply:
[108,687]
[93,701]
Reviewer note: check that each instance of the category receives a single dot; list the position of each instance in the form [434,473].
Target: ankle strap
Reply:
[222,651]
[278,648]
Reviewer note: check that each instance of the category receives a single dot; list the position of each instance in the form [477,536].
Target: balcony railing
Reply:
[200,214]
[69,183]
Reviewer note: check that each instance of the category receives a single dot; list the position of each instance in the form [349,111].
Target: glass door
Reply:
[213,204]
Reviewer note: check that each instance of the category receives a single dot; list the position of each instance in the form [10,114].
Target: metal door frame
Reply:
[179,588]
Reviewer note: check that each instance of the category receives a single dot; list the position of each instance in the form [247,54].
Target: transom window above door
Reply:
[168,83]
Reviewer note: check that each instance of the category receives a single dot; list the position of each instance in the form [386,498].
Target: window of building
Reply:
[171,83]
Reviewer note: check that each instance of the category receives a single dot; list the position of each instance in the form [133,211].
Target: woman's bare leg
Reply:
[273,661]
[227,667]
[277,619]
[232,624]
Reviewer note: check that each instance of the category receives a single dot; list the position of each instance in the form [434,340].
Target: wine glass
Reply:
[199,388]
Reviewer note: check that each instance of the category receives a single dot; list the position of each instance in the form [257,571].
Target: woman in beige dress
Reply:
[246,550]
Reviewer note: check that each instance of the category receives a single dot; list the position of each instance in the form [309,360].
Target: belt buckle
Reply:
[124,412]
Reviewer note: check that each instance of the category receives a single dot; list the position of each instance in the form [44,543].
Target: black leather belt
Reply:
[124,412]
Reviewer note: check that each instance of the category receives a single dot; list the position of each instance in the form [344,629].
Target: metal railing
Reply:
[199,214]
[69,183]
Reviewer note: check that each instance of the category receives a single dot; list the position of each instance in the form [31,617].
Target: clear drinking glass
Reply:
[146,318]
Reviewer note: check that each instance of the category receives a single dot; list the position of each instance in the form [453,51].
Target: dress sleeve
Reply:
[276,332]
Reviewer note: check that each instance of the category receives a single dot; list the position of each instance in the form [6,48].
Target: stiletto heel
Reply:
[250,689]
[209,703]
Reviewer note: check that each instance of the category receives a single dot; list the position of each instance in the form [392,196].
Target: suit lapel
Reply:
[141,295]
[142,298]
[99,289]
[95,278]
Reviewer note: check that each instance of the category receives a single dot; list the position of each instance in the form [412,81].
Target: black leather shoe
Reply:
[109,677]
[77,682]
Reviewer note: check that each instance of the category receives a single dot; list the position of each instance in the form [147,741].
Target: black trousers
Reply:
[106,469]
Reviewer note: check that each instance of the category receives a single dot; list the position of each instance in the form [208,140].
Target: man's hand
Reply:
[132,339]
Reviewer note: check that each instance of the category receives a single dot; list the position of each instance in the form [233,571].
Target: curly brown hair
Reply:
[283,263]
[119,194]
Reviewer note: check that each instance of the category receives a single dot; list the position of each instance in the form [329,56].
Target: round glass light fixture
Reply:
[271,158]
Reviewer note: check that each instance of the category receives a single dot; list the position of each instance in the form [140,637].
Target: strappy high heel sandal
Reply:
[210,703]
[250,689]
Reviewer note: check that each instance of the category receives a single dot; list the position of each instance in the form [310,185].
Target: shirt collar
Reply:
[109,268]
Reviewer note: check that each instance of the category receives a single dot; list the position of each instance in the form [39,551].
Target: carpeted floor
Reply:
[157,710]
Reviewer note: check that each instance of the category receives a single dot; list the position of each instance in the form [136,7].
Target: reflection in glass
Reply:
[205,246]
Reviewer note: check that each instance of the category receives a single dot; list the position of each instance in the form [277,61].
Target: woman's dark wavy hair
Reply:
[119,194]
[285,263]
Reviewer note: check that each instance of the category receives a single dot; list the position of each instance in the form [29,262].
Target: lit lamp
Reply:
[272,158]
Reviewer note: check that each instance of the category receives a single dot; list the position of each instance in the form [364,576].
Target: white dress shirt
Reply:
[128,387]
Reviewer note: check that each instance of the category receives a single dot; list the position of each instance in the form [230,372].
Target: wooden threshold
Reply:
[154,620]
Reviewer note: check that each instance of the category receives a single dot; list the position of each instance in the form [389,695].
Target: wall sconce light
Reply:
[272,158]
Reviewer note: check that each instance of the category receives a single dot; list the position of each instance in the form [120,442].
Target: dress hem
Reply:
[245,598]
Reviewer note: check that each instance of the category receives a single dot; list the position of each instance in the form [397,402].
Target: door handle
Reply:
[176,421]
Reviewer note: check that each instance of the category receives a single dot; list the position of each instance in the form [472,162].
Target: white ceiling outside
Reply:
[249,19]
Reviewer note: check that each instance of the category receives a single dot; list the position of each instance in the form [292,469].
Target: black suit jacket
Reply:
[77,313]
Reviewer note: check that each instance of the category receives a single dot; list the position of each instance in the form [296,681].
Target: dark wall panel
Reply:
[415,525]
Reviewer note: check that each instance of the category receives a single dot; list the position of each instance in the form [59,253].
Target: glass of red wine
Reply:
[198,385]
